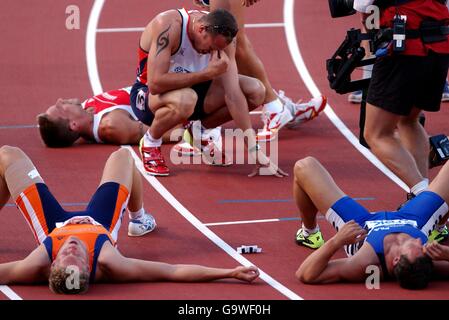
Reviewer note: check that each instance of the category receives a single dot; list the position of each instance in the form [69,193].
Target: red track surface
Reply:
[42,61]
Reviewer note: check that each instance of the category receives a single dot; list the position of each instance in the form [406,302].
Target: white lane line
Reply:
[140,29]
[97,89]
[7,291]
[91,49]
[293,46]
[240,222]
[206,231]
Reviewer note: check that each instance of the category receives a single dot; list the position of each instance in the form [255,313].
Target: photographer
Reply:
[408,79]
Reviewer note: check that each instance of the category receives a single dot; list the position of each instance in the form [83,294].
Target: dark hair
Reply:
[56,134]
[221,22]
[414,275]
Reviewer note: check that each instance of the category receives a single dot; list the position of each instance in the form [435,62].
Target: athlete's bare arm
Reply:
[319,268]
[117,268]
[34,268]
[117,127]
[161,39]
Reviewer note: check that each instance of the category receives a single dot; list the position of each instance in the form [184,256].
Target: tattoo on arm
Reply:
[162,40]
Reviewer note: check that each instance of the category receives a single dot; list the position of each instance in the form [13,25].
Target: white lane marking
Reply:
[7,291]
[91,50]
[140,29]
[240,222]
[97,89]
[312,87]
[206,231]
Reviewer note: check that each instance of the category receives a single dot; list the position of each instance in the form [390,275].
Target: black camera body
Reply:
[439,150]
[341,8]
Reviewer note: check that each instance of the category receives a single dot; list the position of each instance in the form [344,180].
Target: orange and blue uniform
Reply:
[52,225]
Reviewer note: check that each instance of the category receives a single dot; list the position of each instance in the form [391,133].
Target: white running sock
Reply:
[307,232]
[137,215]
[149,141]
[274,106]
[420,187]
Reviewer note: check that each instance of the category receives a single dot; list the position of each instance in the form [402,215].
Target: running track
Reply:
[42,61]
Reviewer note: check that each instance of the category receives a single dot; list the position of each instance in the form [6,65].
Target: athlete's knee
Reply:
[305,166]
[123,156]
[185,102]
[8,155]
[256,93]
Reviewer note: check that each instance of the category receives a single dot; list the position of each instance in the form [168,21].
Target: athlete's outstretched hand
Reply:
[248,274]
[269,167]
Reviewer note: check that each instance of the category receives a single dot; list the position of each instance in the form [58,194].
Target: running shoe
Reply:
[355,97]
[185,147]
[153,161]
[314,240]
[438,236]
[304,112]
[445,96]
[274,121]
[139,227]
[212,148]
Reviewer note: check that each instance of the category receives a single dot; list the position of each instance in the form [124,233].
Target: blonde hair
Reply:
[60,281]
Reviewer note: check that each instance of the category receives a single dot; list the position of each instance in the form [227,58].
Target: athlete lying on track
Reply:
[76,248]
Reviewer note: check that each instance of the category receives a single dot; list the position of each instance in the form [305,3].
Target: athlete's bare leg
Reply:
[215,105]
[314,190]
[247,61]
[120,168]
[17,173]
[170,109]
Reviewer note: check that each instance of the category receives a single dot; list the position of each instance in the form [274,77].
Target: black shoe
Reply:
[410,196]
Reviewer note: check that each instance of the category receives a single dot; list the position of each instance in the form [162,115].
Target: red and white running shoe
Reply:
[212,148]
[153,161]
[273,122]
[303,112]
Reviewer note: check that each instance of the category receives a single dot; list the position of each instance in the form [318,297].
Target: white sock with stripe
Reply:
[137,215]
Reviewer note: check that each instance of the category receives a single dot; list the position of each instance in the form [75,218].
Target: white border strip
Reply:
[140,29]
[7,291]
[290,32]
[240,222]
[91,49]
[97,89]
[206,231]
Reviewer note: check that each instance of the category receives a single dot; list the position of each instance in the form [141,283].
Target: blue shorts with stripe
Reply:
[427,209]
